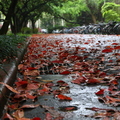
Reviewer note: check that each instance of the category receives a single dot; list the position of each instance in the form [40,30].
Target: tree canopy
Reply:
[18,12]
[111,11]
[79,12]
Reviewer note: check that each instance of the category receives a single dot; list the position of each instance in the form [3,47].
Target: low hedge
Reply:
[9,47]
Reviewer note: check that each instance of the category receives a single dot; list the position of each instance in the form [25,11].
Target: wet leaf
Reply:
[65,72]
[62,83]
[118,60]
[27,95]
[18,114]
[79,80]
[32,86]
[55,114]
[31,68]
[115,43]
[107,50]
[17,98]
[38,77]
[110,61]
[57,61]
[10,88]
[110,100]
[117,47]
[117,115]
[36,118]
[102,74]
[20,66]
[93,81]
[23,119]
[19,79]
[113,99]
[47,80]
[68,108]
[64,97]
[106,118]
[7,116]
[56,92]
[114,82]
[100,92]
[20,83]
[101,109]
[13,106]
[44,90]
[101,115]
[29,106]
[49,84]
[32,73]
[48,116]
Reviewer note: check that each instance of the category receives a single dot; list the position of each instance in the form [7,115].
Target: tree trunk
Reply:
[7,21]
[33,24]
[93,18]
[13,25]
[25,23]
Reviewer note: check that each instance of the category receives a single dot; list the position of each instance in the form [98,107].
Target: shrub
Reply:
[26,30]
[9,46]
[50,29]
[35,30]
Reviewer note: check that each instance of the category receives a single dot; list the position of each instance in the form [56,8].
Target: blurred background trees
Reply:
[111,11]
[51,13]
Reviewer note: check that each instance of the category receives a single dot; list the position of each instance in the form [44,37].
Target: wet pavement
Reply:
[83,97]
[52,67]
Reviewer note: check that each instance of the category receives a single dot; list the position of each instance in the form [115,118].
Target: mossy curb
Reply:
[9,78]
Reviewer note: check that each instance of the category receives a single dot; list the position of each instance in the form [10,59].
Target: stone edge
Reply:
[11,77]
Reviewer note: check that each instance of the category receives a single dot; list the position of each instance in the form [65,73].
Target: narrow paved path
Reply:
[69,77]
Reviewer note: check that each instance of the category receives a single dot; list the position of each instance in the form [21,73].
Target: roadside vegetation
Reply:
[10,45]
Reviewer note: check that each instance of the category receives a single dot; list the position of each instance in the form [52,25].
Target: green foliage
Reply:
[50,29]
[26,30]
[69,25]
[72,10]
[9,46]
[111,11]
[71,7]
[21,35]
[2,68]
[69,10]
[27,10]
[35,30]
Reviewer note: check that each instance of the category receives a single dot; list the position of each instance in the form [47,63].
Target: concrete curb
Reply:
[9,78]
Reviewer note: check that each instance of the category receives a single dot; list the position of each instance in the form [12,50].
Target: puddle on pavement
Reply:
[82,97]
